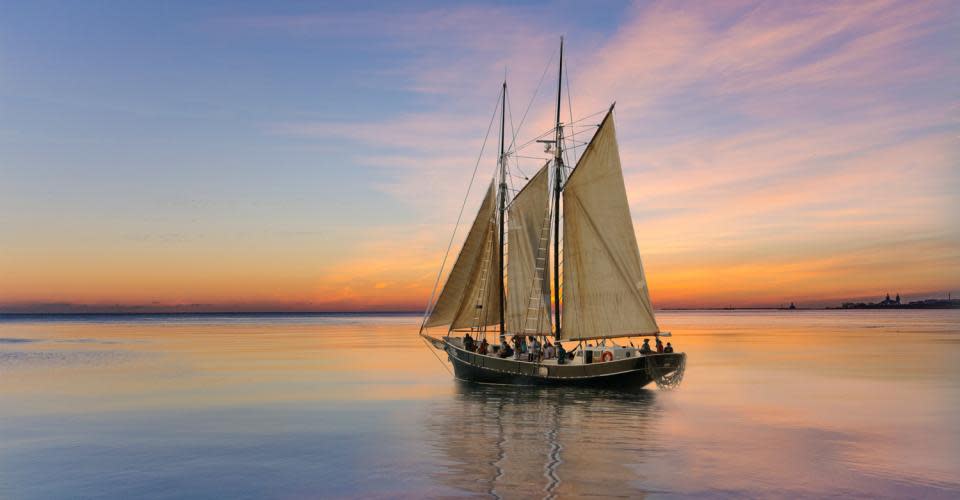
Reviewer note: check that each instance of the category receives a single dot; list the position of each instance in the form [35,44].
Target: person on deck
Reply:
[534,350]
[484,347]
[561,354]
[668,349]
[659,345]
[645,348]
[468,342]
[548,351]
[505,350]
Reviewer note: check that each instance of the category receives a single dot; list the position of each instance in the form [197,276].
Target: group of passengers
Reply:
[531,349]
[519,347]
[645,348]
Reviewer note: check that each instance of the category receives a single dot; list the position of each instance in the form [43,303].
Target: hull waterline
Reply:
[625,373]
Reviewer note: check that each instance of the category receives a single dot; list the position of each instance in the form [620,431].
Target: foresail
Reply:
[528,258]
[481,305]
[471,295]
[604,287]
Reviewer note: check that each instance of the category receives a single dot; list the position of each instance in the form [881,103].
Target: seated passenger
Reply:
[668,349]
[659,345]
[645,348]
[505,350]
[483,347]
[548,351]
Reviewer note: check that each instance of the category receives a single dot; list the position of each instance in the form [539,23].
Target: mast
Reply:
[558,160]
[503,198]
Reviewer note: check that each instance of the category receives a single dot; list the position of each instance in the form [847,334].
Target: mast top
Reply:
[558,153]
[558,161]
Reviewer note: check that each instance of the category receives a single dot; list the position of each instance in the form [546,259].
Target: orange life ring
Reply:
[606,356]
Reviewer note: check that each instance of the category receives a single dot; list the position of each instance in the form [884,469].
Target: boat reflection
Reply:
[543,441]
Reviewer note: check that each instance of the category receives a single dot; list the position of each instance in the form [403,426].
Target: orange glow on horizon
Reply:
[790,152]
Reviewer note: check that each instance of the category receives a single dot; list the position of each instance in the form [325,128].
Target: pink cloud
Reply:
[826,141]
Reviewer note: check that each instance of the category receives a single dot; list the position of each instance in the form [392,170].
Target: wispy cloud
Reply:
[742,125]
[773,151]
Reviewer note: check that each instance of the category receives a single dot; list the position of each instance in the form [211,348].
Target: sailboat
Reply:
[503,323]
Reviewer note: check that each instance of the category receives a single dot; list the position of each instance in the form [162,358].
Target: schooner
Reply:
[512,281]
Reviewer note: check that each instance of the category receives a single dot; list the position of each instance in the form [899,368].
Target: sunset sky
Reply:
[311,156]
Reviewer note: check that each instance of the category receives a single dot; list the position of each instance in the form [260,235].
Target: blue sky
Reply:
[302,154]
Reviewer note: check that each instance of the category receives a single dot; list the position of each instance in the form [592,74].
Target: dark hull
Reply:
[626,373]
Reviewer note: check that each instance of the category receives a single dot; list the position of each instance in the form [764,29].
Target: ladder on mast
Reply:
[535,300]
[478,321]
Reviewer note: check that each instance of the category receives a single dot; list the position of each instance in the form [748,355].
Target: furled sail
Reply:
[527,266]
[471,295]
[604,288]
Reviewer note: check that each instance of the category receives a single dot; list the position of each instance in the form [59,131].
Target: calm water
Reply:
[774,404]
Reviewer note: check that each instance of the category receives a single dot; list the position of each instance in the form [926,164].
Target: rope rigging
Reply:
[532,98]
[463,206]
[570,111]
[667,378]
[536,228]
[571,124]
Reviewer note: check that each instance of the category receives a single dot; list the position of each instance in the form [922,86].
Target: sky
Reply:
[251,156]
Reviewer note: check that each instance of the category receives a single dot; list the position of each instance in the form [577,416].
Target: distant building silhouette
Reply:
[890,302]
[895,303]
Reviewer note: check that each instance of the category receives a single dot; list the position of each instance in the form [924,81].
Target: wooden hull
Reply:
[625,373]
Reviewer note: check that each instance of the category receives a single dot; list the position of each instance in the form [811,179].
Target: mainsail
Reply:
[528,311]
[470,295]
[604,288]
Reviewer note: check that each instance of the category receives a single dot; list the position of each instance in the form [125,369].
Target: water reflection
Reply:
[773,404]
[544,442]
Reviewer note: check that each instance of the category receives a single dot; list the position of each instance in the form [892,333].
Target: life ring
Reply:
[606,356]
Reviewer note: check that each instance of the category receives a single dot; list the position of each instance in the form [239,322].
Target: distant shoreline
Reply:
[13,315]
[218,313]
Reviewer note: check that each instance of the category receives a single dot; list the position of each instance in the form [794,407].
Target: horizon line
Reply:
[69,308]
[336,312]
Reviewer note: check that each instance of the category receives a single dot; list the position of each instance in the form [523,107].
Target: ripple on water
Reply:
[19,359]
[528,441]
[88,341]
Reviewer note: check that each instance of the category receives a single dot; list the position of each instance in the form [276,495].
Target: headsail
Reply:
[528,312]
[604,287]
[470,295]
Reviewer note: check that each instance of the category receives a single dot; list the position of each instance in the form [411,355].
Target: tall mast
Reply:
[558,160]
[503,196]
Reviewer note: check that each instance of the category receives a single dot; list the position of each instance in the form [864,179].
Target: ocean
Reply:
[784,404]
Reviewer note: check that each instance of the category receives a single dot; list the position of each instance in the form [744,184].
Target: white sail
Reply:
[528,263]
[604,288]
[471,295]
[481,305]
